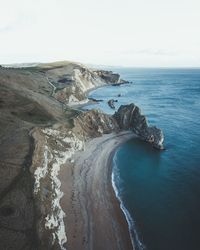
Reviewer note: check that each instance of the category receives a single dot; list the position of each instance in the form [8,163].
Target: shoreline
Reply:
[94,218]
[113,189]
[131,224]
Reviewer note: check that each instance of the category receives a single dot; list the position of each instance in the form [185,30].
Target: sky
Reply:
[133,33]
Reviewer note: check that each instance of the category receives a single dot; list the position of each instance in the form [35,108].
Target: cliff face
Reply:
[94,123]
[108,76]
[54,147]
[129,117]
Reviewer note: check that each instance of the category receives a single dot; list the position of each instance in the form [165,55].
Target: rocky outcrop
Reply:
[123,81]
[111,103]
[94,100]
[94,123]
[129,117]
[110,77]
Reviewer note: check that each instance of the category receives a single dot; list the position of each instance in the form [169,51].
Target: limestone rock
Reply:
[129,117]
[108,76]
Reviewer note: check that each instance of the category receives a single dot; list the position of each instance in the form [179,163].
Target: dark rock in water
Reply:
[111,103]
[129,117]
[120,82]
[119,95]
[155,136]
[95,100]
[123,81]
[116,84]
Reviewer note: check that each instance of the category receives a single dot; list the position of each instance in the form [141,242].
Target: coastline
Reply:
[92,210]
[131,224]
[94,218]
[87,210]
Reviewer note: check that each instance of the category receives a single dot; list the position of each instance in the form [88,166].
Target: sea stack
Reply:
[111,103]
[129,117]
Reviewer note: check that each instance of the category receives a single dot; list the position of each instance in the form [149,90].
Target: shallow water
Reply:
[161,190]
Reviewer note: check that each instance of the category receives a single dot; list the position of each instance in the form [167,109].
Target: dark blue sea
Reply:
[160,191]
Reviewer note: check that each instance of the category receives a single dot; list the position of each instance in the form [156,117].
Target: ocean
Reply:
[160,190]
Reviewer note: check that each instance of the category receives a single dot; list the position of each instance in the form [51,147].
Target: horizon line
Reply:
[97,65]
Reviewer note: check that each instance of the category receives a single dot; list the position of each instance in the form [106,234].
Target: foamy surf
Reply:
[136,242]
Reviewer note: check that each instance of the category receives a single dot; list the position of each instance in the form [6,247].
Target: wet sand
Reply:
[94,220]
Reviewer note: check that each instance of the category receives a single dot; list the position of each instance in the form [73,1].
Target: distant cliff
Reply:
[71,81]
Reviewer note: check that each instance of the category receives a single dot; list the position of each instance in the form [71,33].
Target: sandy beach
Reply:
[94,220]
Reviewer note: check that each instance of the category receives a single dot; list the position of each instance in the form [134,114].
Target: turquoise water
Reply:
[161,190]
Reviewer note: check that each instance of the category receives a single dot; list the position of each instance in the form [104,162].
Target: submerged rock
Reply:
[94,100]
[129,117]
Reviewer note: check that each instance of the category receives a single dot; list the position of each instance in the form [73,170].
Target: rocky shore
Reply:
[41,136]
